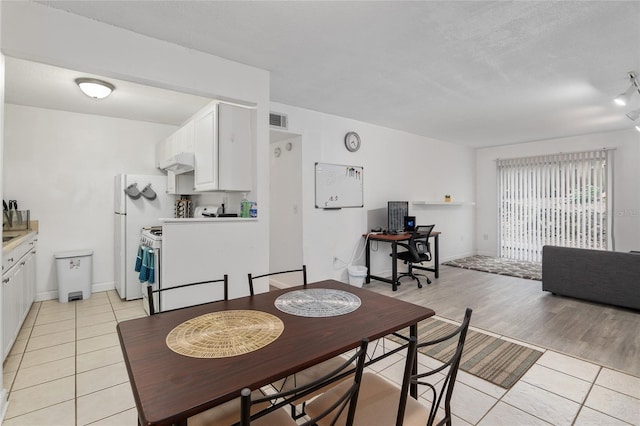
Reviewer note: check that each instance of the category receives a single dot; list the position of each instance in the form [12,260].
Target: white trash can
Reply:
[357,275]
[74,274]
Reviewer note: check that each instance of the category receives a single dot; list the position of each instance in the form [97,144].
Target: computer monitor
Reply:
[409,223]
[396,211]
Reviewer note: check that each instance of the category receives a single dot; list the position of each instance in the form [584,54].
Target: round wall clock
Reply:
[352,141]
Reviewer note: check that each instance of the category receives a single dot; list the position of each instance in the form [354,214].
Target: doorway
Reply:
[285,212]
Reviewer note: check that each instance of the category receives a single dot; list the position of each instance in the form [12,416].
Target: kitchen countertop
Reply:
[20,236]
[208,219]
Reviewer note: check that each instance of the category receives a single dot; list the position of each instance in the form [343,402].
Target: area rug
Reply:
[493,359]
[501,266]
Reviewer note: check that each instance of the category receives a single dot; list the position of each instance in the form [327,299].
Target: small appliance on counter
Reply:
[208,211]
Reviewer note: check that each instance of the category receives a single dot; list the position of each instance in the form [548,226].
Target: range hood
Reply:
[179,163]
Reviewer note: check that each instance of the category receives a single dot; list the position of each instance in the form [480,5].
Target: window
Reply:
[556,199]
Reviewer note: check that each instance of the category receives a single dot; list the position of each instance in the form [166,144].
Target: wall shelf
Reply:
[443,203]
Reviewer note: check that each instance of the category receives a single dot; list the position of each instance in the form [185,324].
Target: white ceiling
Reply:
[45,86]
[476,73]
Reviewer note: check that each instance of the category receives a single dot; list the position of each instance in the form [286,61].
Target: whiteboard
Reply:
[338,186]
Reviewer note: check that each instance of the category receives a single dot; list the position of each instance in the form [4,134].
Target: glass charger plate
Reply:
[318,302]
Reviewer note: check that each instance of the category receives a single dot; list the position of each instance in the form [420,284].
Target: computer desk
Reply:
[394,239]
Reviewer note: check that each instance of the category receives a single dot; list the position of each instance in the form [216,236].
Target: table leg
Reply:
[394,265]
[436,260]
[413,388]
[368,261]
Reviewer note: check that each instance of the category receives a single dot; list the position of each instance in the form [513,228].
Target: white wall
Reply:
[397,166]
[36,32]
[626,209]
[285,189]
[60,165]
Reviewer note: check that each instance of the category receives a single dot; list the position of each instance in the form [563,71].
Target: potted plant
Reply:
[447,198]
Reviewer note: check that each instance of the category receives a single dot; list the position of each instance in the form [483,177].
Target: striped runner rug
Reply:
[490,358]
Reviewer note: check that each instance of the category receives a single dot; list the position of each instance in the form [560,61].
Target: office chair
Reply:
[381,402]
[418,251]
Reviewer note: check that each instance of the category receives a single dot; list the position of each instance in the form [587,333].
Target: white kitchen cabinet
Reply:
[223,147]
[206,151]
[179,141]
[221,137]
[235,142]
[18,290]
[184,138]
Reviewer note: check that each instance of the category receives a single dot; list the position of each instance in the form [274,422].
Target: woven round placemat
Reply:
[318,302]
[224,334]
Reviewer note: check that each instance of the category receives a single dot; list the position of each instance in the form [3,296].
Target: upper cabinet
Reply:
[221,137]
[235,141]
[205,145]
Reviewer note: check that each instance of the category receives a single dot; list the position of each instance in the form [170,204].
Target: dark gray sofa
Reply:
[599,276]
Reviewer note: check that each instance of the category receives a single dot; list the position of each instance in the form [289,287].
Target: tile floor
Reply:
[66,368]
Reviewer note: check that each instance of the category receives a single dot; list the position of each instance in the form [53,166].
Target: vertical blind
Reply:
[558,199]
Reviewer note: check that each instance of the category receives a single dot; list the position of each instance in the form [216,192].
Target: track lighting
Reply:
[635,117]
[623,98]
[95,88]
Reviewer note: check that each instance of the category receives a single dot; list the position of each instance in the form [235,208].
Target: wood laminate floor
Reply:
[518,308]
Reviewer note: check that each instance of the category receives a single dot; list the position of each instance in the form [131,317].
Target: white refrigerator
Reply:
[133,211]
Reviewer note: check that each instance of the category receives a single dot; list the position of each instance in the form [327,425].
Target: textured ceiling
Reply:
[475,73]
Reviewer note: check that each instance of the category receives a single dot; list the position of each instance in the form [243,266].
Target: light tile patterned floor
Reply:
[66,368]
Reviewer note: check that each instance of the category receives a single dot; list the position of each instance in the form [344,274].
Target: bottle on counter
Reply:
[245,206]
[253,212]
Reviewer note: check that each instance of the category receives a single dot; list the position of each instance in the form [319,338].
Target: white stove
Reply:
[151,239]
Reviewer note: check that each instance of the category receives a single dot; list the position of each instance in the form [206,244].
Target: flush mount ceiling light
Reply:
[95,88]
[623,98]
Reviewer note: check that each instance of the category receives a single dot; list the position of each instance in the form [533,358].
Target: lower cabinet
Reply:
[18,293]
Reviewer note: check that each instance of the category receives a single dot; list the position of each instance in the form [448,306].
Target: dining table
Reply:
[170,385]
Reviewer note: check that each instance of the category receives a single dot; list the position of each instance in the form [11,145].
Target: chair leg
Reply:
[415,277]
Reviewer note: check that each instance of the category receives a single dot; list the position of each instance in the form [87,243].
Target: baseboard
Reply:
[457,256]
[95,288]
[486,253]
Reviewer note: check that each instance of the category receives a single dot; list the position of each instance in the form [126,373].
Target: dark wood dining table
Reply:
[168,387]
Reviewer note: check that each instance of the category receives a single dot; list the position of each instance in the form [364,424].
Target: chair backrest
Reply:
[419,243]
[255,277]
[153,309]
[451,365]
[346,400]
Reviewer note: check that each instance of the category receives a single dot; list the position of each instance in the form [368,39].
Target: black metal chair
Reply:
[308,375]
[343,403]
[153,309]
[228,412]
[418,251]
[381,402]
[303,270]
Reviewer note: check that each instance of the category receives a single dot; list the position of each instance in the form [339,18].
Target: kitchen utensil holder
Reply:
[16,220]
